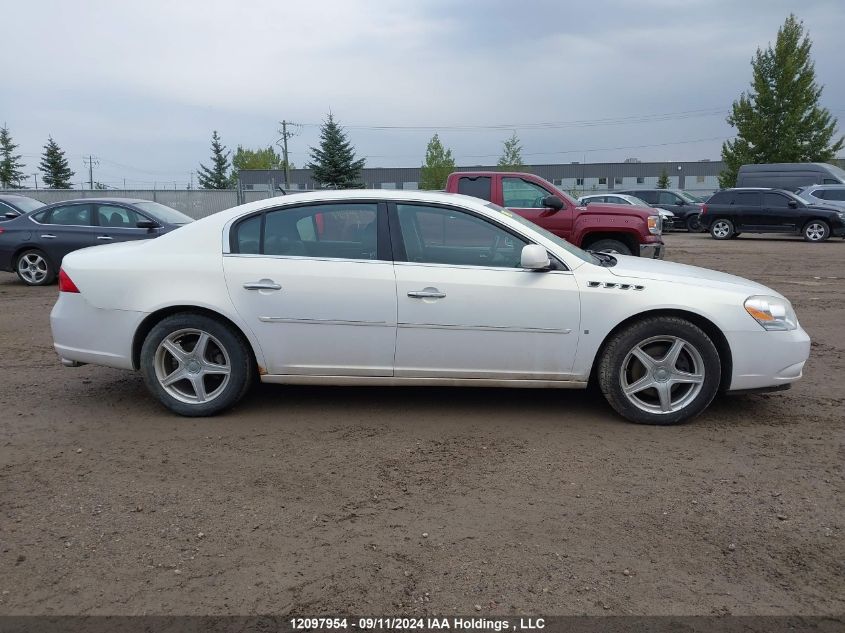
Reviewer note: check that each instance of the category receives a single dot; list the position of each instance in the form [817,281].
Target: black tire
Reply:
[34,268]
[722,229]
[816,231]
[610,246]
[697,353]
[225,348]
[693,223]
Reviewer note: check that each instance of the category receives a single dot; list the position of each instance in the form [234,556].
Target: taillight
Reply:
[66,283]
[703,209]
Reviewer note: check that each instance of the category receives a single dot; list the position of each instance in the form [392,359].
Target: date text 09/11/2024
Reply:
[409,624]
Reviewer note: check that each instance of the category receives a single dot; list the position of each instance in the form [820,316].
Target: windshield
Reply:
[163,214]
[559,241]
[27,204]
[639,202]
[689,197]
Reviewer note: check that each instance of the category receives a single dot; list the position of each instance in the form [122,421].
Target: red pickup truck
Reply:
[612,228]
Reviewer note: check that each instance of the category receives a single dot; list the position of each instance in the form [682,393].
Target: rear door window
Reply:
[71,215]
[478,187]
[833,194]
[747,198]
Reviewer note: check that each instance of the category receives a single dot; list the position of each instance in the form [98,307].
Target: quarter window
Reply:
[116,217]
[74,215]
[438,235]
[522,194]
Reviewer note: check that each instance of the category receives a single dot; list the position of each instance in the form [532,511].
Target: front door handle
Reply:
[262,284]
[427,293]
[49,236]
[104,237]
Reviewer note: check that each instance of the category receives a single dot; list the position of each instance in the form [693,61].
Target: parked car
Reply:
[11,206]
[384,287]
[33,245]
[731,212]
[789,176]
[620,198]
[683,204]
[825,195]
[606,227]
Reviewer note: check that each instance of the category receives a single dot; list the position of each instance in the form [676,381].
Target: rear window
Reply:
[476,187]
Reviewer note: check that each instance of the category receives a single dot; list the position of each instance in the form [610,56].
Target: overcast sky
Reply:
[141,85]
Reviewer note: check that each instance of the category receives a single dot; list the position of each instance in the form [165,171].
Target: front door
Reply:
[316,285]
[526,198]
[775,214]
[465,307]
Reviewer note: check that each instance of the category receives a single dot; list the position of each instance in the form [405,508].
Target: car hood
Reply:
[659,270]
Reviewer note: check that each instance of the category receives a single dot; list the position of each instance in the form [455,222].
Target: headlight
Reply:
[773,313]
[655,224]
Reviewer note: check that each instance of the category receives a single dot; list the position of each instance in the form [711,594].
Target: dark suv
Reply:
[683,205]
[733,211]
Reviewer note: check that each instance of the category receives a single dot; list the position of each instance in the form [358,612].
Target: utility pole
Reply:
[192,180]
[91,161]
[35,175]
[284,144]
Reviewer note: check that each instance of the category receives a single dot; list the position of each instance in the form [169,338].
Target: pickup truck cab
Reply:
[611,228]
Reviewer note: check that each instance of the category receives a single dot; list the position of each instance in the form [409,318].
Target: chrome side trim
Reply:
[272,319]
[485,328]
[423,382]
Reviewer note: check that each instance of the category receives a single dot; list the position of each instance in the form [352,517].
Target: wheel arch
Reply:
[156,317]
[710,328]
[629,239]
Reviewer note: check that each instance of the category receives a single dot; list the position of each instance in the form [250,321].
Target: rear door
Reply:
[117,223]
[526,198]
[64,229]
[315,284]
[746,211]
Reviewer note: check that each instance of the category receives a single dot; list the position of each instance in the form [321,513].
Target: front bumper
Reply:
[767,359]
[652,251]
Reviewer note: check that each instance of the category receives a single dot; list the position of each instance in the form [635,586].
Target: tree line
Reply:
[779,119]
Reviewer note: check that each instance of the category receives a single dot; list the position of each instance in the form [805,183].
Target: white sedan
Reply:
[415,288]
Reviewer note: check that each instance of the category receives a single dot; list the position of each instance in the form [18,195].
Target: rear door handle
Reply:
[49,236]
[427,293]
[262,284]
[104,237]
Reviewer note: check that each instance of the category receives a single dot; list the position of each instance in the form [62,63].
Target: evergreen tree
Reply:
[54,166]
[511,158]
[10,163]
[438,165]
[779,120]
[663,182]
[333,162]
[218,176]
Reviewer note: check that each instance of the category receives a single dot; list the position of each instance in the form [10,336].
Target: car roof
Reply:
[12,197]
[100,200]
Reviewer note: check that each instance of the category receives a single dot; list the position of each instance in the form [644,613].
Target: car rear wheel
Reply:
[610,246]
[34,268]
[816,231]
[661,370]
[694,223]
[722,230]
[195,365]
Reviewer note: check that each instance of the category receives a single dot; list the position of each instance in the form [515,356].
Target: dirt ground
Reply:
[388,501]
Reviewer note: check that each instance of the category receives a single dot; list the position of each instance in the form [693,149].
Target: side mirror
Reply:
[553,202]
[792,204]
[146,224]
[534,257]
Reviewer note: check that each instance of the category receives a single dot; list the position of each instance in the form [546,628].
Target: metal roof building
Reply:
[701,176]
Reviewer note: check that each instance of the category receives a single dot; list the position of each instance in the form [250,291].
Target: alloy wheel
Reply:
[33,268]
[721,229]
[662,374]
[192,366]
[815,232]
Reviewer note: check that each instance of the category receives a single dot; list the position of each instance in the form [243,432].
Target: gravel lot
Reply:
[377,501]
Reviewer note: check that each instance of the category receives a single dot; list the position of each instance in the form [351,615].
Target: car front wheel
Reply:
[722,230]
[694,223]
[195,365]
[661,370]
[816,231]
[34,269]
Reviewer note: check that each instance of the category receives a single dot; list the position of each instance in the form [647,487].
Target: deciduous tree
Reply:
[438,165]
